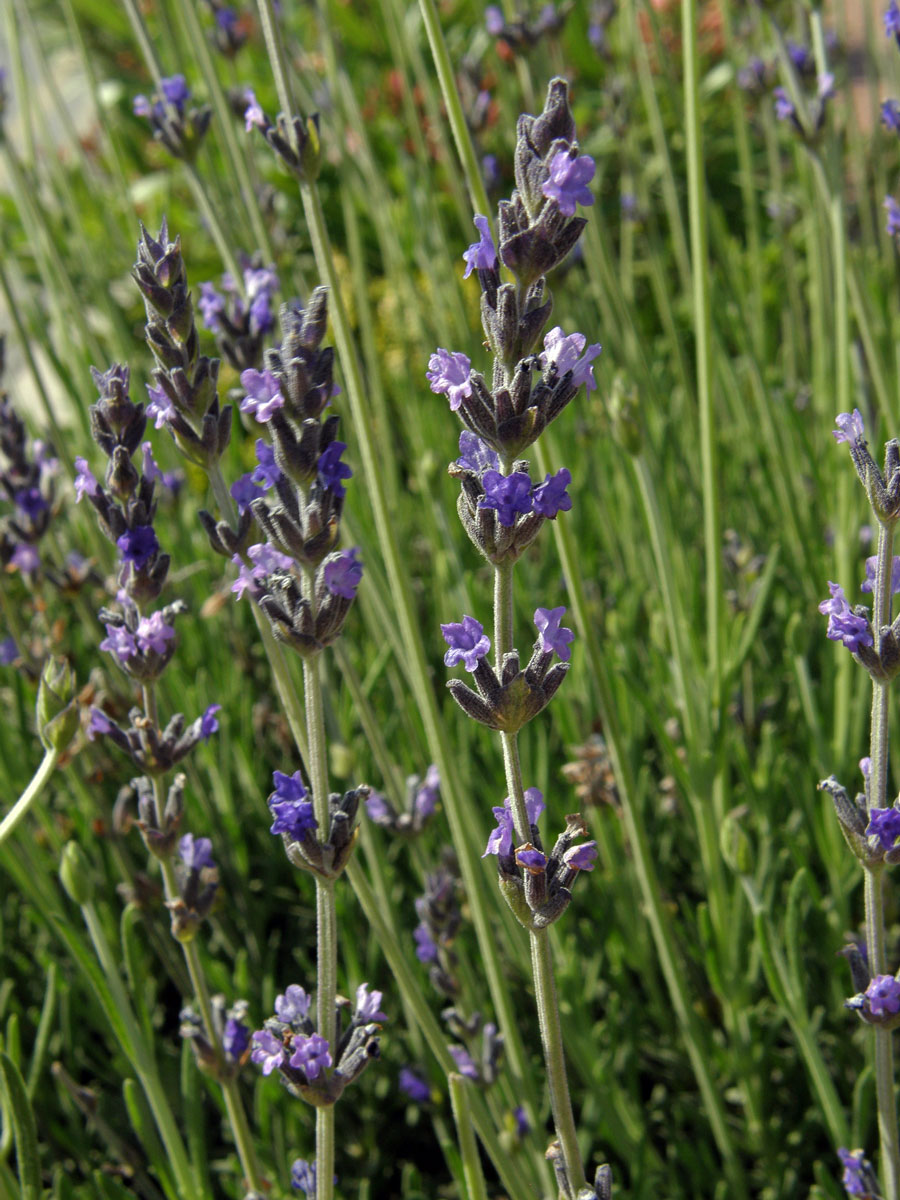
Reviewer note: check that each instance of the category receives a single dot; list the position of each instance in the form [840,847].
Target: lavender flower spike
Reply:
[856,1172]
[303,1177]
[892,21]
[467,641]
[569,177]
[448,374]
[552,637]
[843,624]
[850,427]
[501,839]
[481,255]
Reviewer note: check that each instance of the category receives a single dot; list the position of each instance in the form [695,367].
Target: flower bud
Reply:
[74,874]
[57,713]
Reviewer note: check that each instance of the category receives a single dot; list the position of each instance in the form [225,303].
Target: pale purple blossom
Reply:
[429,792]
[412,1083]
[160,409]
[857,1170]
[208,723]
[883,994]
[310,1055]
[843,624]
[850,427]
[475,454]
[890,115]
[26,558]
[501,839]
[553,638]
[569,177]
[464,1064]
[426,946]
[481,255]
[507,494]
[448,374]
[564,352]
[268,472]
[784,106]
[343,574]
[303,1177]
[99,723]
[551,497]
[467,641]
[267,1051]
[85,481]
[253,113]
[293,1004]
[119,641]
[368,1006]
[869,581]
[195,853]
[243,491]
[263,395]
[581,857]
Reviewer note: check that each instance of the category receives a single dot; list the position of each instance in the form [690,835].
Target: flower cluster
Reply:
[240,313]
[232,1036]
[805,113]
[197,881]
[479,1049]
[230,29]
[439,919]
[295,141]
[154,751]
[310,1068]
[291,806]
[179,128]
[296,494]
[422,796]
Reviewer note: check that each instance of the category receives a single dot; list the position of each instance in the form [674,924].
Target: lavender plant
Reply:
[502,511]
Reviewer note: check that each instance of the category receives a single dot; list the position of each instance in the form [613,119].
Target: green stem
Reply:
[503,612]
[459,1100]
[455,115]
[702,331]
[38,782]
[277,57]
[210,217]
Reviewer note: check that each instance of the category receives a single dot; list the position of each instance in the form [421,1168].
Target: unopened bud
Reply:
[75,874]
[57,713]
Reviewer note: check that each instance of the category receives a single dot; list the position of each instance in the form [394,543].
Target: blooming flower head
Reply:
[331,470]
[195,853]
[343,574]
[368,1007]
[501,839]
[426,946]
[173,90]
[412,1083]
[551,497]
[26,558]
[893,216]
[843,624]
[244,491]
[263,395]
[30,502]
[291,806]
[869,581]
[267,1051]
[119,641]
[153,633]
[293,1004]
[137,545]
[784,105]
[581,857]
[208,723]
[493,20]
[857,1172]
[892,20]
[507,494]
[267,473]
[99,723]
[481,255]
[253,113]
[884,823]
[850,428]
[564,352]
[9,651]
[475,454]
[311,1055]
[428,794]
[448,374]
[553,638]
[568,182]
[303,1177]
[883,994]
[85,482]
[467,641]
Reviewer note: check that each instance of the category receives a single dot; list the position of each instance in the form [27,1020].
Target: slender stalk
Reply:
[38,782]
[459,1100]
[874,895]
[697,218]
[211,219]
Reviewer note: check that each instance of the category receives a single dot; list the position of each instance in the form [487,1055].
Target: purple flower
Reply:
[551,497]
[160,408]
[426,946]
[412,1083]
[467,641]
[176,91]
[153,633]
[501,839]
[581,858]
[290,806]
[865,765]
[31,502]
[378,809]
[212,305]
[448,374]
[208,723]
[893,215]
[429,793]
[481,255]
[331,470]
[884,823]
[869,581]
[856,1172]
[890,115]
[195,853]
[532,860]
[253,113]
[149,467]
[463,1060]
[850,427]
[99,723]
[883,994]
[508,494]
[267,1051]
[119,641]
[9,652]
[343,574]
[553,638]
[235,1039]
[800,57]
[493,20]
[784,106]
[244,490]
[475,454]
[267,559]
[569,177]
[368,1008]
[263,396]
[138,545]
[26,558]
[892,20]
[293,1004]
[311,1055]
[303,1177]
[267,473]
[523,1125]
[843,624]
[564,352]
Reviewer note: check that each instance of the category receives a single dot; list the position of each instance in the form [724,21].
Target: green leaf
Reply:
[24,1129]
